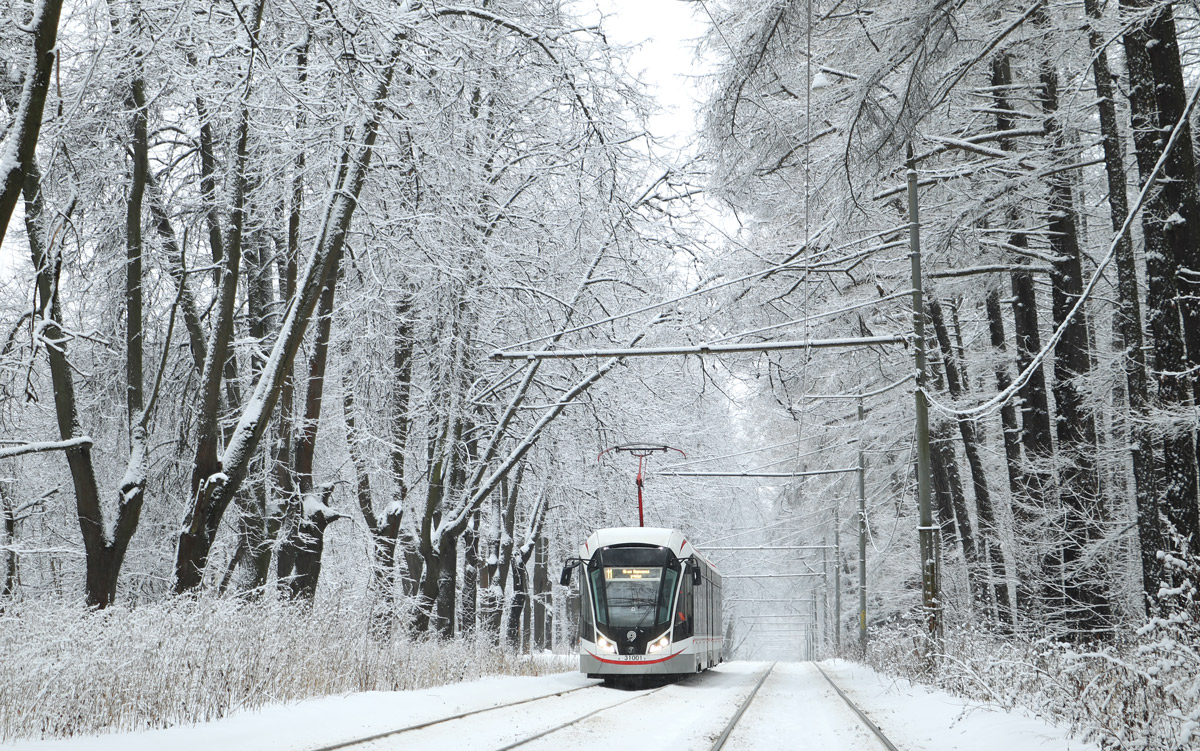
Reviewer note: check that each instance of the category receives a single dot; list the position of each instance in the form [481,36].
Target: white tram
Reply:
[650,605]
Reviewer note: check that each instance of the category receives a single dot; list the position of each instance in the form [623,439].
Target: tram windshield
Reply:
[631,592]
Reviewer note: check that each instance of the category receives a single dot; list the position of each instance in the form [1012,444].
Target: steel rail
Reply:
[430,723]
[862,716]
[720,742]
[544,733]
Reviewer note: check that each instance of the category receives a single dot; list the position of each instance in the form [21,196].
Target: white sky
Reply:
[665,60]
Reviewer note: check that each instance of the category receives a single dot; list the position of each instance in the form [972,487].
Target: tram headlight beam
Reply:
[606,645]
[659,644]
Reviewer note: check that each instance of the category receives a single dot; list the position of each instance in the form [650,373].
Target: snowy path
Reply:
[796,708]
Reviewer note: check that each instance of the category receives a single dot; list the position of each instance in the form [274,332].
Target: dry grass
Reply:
[68,671]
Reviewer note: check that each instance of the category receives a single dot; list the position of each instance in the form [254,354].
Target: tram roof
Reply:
[661,536]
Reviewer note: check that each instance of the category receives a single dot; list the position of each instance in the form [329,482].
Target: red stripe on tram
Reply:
[635,662]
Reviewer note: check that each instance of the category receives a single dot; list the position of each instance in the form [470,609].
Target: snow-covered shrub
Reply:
[69,671]
[1139,694]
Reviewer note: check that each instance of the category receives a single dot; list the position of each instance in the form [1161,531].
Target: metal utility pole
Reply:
[862,540]
[815,647]
[837,580]
[929,569]
[825,595]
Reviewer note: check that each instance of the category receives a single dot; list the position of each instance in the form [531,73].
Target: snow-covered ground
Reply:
[795,709]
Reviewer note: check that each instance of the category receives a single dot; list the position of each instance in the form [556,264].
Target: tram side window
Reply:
[708,600]
[686,611]
[599,591]
[586,629]
[670,577]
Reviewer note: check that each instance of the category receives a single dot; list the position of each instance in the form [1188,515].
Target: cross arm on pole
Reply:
[698,349]
[811,473]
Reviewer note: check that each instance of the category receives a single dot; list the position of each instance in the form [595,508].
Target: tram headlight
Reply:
[661,643]
[606,645]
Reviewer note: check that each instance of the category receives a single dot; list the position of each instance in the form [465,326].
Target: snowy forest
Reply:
[319,315]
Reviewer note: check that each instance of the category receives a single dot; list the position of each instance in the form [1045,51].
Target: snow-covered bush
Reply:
[1140,694]
[69,671]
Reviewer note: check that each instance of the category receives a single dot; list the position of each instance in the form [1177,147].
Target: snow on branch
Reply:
[533,38]
[989,269]
[40,446]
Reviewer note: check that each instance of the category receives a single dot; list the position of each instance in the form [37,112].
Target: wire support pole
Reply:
[862,542]
[837,581]
[698,349]
[825,614]
[929,569]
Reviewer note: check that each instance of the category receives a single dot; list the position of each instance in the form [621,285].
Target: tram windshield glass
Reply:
[632,592]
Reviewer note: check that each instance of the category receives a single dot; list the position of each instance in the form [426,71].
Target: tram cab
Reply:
[650,605]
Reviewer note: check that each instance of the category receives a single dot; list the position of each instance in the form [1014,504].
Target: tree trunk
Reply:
[308,528]
[491,603]
[1077,592]
[996,587]
[18,149]
[300,554]
[1032,484]
[470,587]
[413,564]
[447,586]
[209,498]
[1156,103]
[429,546]
[104,550]
[212,492]
[952,503]
[384,534]
[520,596]
[1022,516]
[541,590]
[11,561]
[1128,316]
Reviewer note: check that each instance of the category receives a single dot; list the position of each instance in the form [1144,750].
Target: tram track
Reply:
[878,734]
[720,742]
[577,720]
[566,721]
[883,739]
[398,732]
[462,715]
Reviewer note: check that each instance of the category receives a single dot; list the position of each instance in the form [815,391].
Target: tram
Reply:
[650,606]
